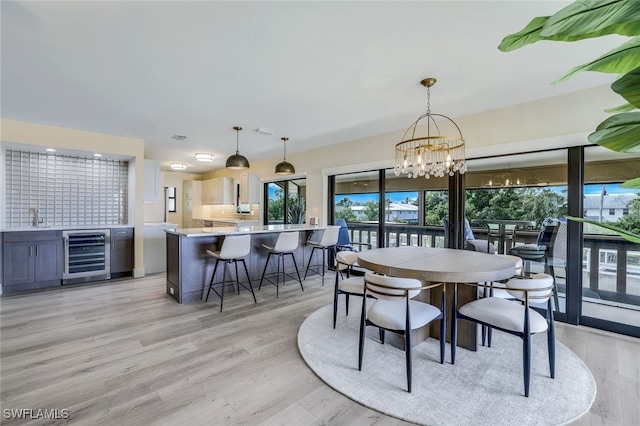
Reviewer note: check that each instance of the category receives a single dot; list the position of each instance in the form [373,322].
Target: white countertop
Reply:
[247,229]
[64,228]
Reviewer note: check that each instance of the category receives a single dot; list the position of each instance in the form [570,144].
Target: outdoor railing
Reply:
[617,261]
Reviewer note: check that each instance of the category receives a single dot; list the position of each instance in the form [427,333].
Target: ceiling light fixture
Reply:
[51,150]
[237,161]
[201,156]
[264,131]
[97,155]
[178,166]
[284,167]
[433,154]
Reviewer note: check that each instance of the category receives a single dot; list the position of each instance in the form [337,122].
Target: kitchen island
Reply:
[189,267]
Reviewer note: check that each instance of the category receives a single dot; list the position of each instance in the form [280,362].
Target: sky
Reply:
[399,197]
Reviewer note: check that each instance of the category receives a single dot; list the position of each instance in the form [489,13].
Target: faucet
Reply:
[36,218]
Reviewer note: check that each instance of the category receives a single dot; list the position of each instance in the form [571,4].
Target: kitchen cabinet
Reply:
[217,191]
[151,181]
[191,203]
[249,188]
[121,241]
[31,260]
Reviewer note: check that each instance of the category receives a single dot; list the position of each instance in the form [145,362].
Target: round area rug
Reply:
[482,388]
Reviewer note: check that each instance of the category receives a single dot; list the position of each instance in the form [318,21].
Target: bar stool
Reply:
[286,244]
[328,240]
[234,249]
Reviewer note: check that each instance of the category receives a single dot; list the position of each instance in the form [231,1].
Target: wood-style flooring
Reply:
[124,353]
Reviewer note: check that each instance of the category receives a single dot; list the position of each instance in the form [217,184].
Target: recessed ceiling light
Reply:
[97,155]
[201,156]
[51,150]
[178,166]
[264,131]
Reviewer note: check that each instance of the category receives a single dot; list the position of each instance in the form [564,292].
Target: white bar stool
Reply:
[286,244]
[328,240]
[234,249]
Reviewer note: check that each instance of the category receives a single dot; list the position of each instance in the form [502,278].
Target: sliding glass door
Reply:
[610,264]
[596,272]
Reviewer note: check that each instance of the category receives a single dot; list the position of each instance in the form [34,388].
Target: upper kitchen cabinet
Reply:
[151,181]
[217,191]
[249,188]
[191,203]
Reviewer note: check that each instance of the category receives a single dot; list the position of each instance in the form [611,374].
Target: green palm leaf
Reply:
[629,236]
[620,60]
[620,132]
[628,86]
[594,18]
[529,34]
[631,183]
[580,20]
[621,108]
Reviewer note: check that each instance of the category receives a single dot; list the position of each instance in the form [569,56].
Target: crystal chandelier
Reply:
[433,154]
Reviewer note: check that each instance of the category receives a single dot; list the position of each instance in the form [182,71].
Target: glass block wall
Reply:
[65,190]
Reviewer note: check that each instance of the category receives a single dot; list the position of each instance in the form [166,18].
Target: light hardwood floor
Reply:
[124,353]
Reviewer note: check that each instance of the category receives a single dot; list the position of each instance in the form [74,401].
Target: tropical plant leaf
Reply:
[629,236]
[594,18]
[580,20]
[631,183]
[529,34]
[621,108]
[620,60]
[620,132]
[628,86]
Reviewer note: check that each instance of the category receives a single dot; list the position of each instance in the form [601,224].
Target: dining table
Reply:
[498,228]
[449,266]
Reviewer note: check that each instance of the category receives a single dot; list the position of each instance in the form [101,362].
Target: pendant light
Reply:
[284,167]
[432,154]
[237,161]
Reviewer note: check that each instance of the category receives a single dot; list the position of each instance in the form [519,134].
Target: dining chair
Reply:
[395,311]
[470,241]
[344,240]
[513,316]
[286,245]
[234,249]
[349,286]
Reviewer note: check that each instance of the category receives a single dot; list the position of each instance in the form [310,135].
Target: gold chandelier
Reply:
[433,154]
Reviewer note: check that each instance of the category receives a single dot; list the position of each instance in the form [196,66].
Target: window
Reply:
[171,199]
[286,202]
[612,212]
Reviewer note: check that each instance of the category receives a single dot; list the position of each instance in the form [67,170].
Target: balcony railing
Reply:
[617,261]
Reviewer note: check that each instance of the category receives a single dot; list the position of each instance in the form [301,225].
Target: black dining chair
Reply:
[395,311]
[512,316]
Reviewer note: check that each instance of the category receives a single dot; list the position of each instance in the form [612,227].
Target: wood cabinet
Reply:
[217,191]
[151,181]
[121,252]
[249,188]
[32,259]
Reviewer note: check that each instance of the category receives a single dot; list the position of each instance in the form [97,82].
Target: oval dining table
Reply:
[449,266]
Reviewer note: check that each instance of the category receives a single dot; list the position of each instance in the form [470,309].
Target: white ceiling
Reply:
[317,72]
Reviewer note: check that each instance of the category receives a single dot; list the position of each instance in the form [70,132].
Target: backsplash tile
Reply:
[66,190]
